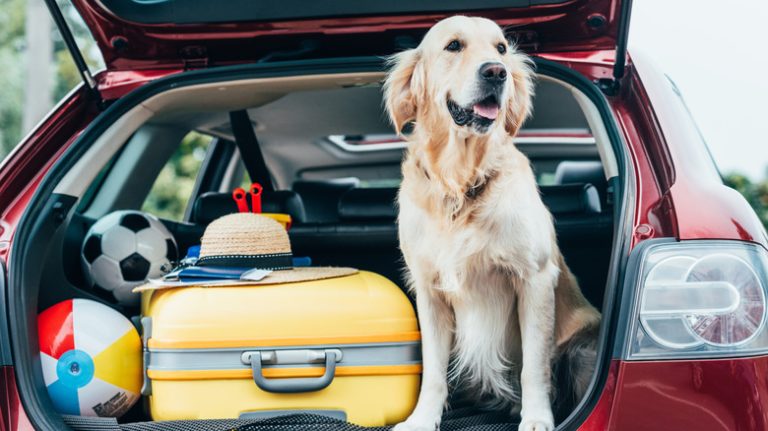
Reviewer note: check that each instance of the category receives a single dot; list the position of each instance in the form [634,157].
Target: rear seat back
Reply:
[321,198]
[212,205]
[362,232]
[368,204]
[366,233]
[571,199]
[380,203]
[583,172]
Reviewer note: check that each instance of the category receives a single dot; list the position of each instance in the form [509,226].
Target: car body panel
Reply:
[22,171]
[702,395]
[115,84]
[634,116]
[703,206]
[12,415]
[127,45]
[599,417]
[677,195]
[74,115]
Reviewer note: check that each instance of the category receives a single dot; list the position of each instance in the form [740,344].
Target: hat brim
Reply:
[295,275]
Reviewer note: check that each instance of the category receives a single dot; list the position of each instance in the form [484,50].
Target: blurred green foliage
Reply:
[12,14]
[13,64]
[170,193]
[756,193]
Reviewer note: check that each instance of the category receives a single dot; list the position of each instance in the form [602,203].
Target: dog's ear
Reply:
[519,101]
[403,87]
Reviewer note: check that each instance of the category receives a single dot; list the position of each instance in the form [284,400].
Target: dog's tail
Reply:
[573,370]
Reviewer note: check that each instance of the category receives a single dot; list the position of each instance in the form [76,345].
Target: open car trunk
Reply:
[68,202]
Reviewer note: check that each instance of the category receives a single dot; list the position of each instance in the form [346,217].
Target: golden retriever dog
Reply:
[493,292]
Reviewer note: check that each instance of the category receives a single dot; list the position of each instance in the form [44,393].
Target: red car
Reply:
[675,260]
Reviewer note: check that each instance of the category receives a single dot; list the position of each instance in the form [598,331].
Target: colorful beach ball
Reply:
[91,357]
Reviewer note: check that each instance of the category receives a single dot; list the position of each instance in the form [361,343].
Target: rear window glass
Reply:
[547,147]
[384,142]
[375,176]
[173,187]
[555,136]
[365,143]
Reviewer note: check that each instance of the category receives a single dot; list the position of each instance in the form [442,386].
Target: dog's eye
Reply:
[453,46]
[501,48]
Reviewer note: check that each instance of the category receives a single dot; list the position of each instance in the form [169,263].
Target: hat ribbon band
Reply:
[273,261]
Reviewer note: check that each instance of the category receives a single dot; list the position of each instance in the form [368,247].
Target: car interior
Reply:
[326,155]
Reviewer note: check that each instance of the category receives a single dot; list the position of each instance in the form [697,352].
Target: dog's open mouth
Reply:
[487,108]
[481,114]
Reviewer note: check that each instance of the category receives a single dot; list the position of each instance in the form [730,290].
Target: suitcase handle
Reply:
[290,386]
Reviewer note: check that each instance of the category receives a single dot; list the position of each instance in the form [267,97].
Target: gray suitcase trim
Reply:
[373,354]
[259,358]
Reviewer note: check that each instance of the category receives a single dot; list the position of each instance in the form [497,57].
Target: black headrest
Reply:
[321,198]
[571,199]
[379,203]
[580,172]
[212,205]
[368,204]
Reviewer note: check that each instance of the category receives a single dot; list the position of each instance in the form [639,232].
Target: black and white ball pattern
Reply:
[123,249]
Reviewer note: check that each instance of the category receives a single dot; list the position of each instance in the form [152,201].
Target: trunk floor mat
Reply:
[465,419]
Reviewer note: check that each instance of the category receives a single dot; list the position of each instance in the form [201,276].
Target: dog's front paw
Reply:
[413,424]
[536,424]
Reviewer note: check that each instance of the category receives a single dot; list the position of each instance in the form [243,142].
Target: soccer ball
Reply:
[123,249]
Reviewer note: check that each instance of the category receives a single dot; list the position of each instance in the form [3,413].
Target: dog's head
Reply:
[464,73]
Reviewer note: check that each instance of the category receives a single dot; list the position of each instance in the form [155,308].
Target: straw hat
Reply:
[248,240]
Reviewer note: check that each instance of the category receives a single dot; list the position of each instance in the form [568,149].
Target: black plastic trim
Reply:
[45,216]
[621,40]
[250,149]
[5,345]
[46,211]
[623,184]
[211,11]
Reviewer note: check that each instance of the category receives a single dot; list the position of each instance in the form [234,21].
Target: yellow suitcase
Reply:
[347,347]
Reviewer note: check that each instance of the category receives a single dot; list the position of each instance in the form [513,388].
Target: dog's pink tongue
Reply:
[490,112]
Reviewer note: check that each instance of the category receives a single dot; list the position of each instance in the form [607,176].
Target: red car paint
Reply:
[637,395]
[678,194]
[132,46]
[13,417]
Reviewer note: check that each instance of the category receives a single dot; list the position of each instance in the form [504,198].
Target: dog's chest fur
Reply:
[496,222]
[475,251]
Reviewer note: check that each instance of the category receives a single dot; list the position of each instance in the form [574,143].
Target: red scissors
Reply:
[256,198]
[242,202]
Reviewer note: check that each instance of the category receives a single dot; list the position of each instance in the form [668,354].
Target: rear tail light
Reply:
[700,299]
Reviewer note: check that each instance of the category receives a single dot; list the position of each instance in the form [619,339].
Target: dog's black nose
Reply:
[493,72]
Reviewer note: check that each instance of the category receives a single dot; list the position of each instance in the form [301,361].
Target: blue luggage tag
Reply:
[208,273]
[201,274]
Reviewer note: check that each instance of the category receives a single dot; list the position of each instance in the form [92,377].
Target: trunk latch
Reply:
[194,57]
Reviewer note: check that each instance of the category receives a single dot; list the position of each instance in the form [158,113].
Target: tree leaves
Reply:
[756,193]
